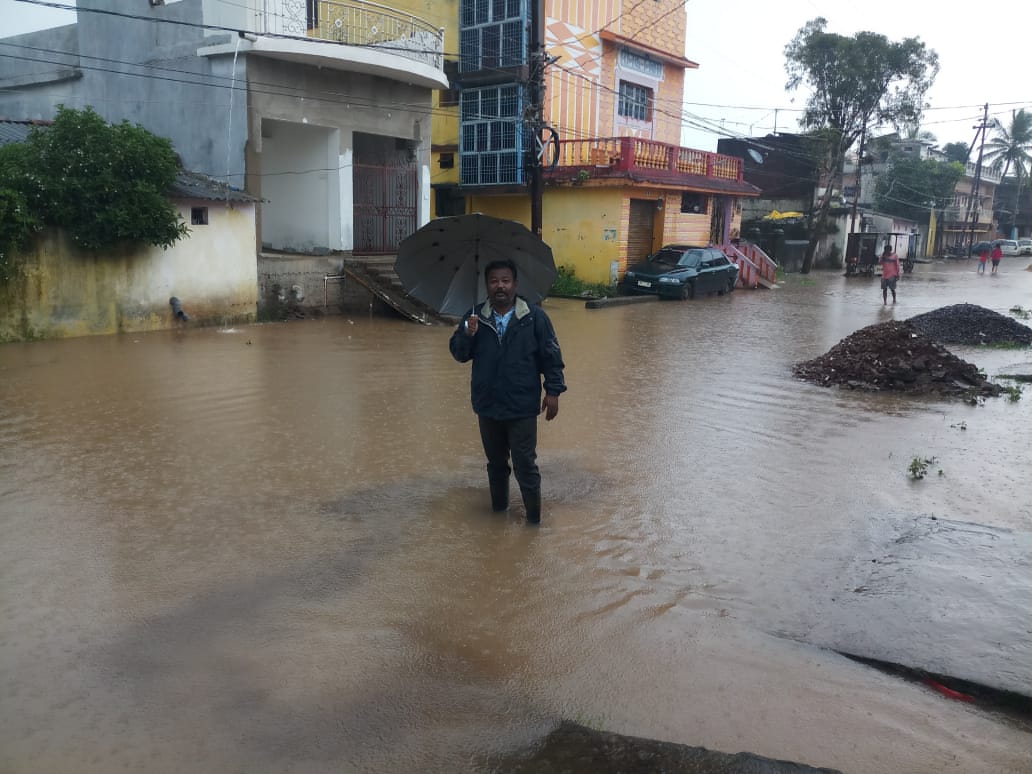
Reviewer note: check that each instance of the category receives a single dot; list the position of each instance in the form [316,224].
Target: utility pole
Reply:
[856,188]
[535,110]
[973,202]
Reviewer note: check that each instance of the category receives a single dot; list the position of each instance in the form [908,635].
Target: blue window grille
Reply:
[492,34]
[492,139]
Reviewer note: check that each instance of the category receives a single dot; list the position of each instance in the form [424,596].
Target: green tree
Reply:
[1011,149]
[16,228]
[855,83]
[104,184]
[957,151]
[910,187]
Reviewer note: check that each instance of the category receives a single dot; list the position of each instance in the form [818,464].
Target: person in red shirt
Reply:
[995,257]
[889,273]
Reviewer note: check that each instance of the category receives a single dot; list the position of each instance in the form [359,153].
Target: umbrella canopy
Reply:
[442,264]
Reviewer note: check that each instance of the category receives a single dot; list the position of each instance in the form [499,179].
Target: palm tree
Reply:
[1012,148]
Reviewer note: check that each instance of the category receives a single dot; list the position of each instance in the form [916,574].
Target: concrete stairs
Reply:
[376,273]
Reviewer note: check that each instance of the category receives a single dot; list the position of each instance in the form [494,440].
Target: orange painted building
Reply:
[614,84]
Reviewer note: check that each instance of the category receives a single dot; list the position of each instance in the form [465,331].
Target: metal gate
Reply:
[385,207]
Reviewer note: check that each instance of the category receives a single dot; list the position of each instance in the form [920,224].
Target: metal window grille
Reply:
[492,34]
[492,139]
[635,101]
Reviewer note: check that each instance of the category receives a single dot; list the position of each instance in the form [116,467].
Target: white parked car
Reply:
[1025,245]
[1008,246]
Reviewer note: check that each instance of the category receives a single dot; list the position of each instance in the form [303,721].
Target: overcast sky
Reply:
[739,45]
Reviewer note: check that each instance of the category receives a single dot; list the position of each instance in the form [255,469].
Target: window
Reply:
[450,201]
[447,160]
[198,216]
[492,33]
[693,202]
[635,101]
[312,14]
[491,135]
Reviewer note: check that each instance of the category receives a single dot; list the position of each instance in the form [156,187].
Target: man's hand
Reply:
[472,323]
[550,405]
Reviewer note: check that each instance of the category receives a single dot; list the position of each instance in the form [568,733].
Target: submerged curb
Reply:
[575,748]
[602,303]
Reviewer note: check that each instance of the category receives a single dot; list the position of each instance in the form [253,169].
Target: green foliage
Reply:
[855,83]
[104,184]
[956,151]
[16,228]
[1013,392]
[1011,150]
[911,185]
[918,467]
[860,80]
[567,283]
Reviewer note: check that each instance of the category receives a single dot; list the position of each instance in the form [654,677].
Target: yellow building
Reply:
[618,186]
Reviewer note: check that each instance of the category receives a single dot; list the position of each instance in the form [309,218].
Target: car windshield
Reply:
[691,260]
[672,256]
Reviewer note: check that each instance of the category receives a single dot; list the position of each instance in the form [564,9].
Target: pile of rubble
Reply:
[896,356]
[971,324]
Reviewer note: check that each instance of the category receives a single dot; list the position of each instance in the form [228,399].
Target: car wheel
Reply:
[688,291]
[731,282]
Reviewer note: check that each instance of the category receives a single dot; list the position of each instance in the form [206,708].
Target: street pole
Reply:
[536,97]
[975,204]
[856,188]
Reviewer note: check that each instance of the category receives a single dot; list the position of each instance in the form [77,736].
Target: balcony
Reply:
[630,158]
[988,174]
[954,214]
[352,35]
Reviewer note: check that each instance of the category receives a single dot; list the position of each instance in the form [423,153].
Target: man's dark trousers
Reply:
[515,438]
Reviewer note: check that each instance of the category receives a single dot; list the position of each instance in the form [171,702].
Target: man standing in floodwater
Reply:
[512,346]
[889,273]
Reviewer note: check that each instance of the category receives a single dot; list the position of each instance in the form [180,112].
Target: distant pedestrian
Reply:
[889,273]
[995,257]
[983,256]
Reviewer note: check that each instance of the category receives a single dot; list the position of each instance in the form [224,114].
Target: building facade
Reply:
[320,109]
[617,184]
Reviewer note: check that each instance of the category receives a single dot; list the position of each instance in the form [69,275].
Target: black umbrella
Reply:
[442,263]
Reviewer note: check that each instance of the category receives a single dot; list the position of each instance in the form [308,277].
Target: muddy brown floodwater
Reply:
[269,548]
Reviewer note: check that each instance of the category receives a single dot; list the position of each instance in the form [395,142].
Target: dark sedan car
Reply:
[682,271]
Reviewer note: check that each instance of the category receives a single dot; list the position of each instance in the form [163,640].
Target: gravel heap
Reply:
[895,356]
[971,324]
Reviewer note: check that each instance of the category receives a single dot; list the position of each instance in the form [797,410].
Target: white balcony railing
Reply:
[353,23]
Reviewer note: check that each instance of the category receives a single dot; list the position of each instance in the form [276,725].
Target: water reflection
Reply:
[284,531]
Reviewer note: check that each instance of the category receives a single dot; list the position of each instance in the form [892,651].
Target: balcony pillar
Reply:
[626,153]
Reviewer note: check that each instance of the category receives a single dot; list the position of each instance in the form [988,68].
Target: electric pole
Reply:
[535,110]
[856,189]
[973,202]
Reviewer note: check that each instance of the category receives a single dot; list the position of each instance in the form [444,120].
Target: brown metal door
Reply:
[639,231]
[385,207]
[718,220]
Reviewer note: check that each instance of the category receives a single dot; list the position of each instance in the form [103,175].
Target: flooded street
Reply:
[270,548]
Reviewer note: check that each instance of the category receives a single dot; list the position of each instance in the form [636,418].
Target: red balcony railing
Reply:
[621,156]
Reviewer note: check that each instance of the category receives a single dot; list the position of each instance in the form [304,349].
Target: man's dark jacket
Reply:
[507,370]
